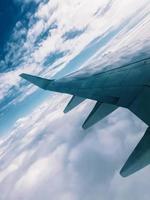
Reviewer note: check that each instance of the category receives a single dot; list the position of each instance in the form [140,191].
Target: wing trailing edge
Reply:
[100,111]
[75,101]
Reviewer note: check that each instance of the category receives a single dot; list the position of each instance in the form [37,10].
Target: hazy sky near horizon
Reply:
[44,153]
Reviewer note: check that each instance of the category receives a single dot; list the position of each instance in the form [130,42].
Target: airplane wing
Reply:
[127,86]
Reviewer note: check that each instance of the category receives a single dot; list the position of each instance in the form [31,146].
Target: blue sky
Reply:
[52,39]
[11,12]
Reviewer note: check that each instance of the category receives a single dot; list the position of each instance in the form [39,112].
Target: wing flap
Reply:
[75,101]
[100,111]
[140,157]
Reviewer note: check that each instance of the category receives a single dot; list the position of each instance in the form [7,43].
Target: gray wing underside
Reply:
[75,101]
[139,158]
[111,90]
[99,112]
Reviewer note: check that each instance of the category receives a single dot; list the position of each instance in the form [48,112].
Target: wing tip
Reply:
[26,76]
[38,81]
[22,75]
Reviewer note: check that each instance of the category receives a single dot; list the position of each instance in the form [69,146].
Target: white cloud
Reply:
[70,15]
[47,154]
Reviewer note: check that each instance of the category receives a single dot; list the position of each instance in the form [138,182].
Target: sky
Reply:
[44,153]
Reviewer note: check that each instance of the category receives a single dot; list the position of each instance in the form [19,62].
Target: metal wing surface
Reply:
[127,86]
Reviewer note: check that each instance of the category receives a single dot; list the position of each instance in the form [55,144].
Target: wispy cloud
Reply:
[30,45]
[73,34]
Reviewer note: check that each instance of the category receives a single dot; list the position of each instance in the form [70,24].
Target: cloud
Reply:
[73,34]
[43,34]
[48,154]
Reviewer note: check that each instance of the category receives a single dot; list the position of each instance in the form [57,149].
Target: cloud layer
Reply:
[48,155]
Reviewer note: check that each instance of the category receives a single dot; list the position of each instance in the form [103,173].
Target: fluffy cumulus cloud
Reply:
[47,155]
